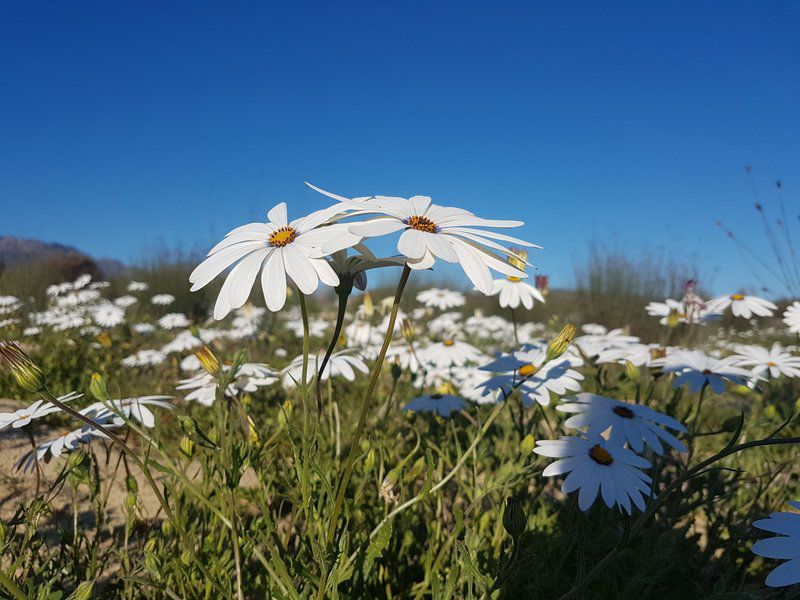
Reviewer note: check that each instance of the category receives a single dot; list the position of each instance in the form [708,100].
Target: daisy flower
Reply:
[341,364]
[183,342]
[163,299]
[631,423]
[535,378]
[697,370]
[742,306]
[512,290]
[125,301]
[775,361]
[449,353]
[173,321]
[278,249]
[144,358]
[138,286]
[108,315]
[430,231]
[143,327]
[441,298]
[791,317]
[785,546]
[37,410]
[442,404]
[596,465]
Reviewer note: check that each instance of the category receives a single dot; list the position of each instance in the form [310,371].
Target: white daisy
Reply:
[138,286]
[450,353]
[697,370]
[144,358]
[742,306]
[512,291]
[37,410]
[108,315]
[791,316]
[441,298]
[431,231]
[785,546]
[143,327]
[631,423]
[173,321]
[597,465]
[775,361]
[277,248]
[125,301]
[341,364]
[163,299]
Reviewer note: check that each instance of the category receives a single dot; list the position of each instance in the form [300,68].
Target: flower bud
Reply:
[103,339]
[397,371]
[253,438]
[131,500]
[25,372]
[187,446]
[207,359]
[84,591]
[98,388]
[632,371]
[561,342]
[369,462]
[407,329]
[770,411]
[131,484]
[527,444]
[368,306]
[514,519]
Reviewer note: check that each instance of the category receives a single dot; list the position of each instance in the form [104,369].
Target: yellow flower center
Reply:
[513,278]
[772,364]
[527,370]
[282,237]
[422,224]
[448,342]
[656,353]
[600,455]
[623,411]
[737,297]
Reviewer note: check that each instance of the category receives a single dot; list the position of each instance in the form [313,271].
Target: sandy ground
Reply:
[17,486]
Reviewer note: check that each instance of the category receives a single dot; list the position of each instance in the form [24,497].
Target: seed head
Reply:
[25,372]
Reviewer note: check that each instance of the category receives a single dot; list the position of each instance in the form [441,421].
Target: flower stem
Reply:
[337,330]
[351,455]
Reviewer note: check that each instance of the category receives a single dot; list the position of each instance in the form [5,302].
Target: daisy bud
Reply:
[561,342]
[632,371]
[131,484]
[407,329]
[369,307]
[527,444]
[518,261]
[131,500]
[369,462]
[98,388]
[285,414]
[25,372]
[103,339]
[84,591]
[770,411]
[187,446]
[253,438]
[207,359]
[397,371]
[514,519]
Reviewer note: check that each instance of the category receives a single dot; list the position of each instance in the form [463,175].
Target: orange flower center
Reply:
[422,224]
[737,297]
[527,370]
[772,364]
[600,455]
[623,411]
[282,237]
[448,342]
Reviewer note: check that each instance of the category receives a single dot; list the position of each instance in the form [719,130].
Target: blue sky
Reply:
[122,124]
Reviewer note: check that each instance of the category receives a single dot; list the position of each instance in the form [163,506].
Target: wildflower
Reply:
[125,301]
[594,465]
[138,286]
[631,423]
[277,248]
[775,361]
[108,315]
[430,231]
[785,546]
[144,358]
[163,299]
[450,352]
[791,317]
[534,377]
[697,370]
[559,344]
[341,364]
[442,404]
[742,305]
[441,298]
[173,321]
[37,410]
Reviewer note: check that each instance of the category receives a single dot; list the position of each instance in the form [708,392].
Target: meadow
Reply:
[286,429]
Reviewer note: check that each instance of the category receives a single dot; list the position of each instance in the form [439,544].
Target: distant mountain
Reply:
[16,251]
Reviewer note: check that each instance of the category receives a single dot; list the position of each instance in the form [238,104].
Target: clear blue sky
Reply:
[125,123]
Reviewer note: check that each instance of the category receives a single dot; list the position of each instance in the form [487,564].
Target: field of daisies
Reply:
[288,429]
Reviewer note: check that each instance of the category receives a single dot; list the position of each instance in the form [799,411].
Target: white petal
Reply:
[412,244]
[300,269]
[273,282]
[278,215]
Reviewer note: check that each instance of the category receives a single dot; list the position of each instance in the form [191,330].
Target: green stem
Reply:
[12,587]
[351,455]
[337,330]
